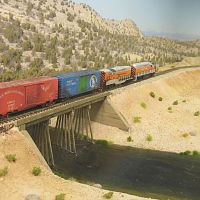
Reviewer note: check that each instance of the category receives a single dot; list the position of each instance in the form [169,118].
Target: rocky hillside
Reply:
[39,37]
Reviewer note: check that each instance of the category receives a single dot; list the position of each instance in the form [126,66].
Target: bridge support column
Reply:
[41,136]
[73,126]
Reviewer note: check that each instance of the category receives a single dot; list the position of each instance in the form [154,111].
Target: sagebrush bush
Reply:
[186,153]
[4,171]
[149,138]
[108,195]
[160,99]
[190,153]
[129,139]
[169,108]
[137,120]
[103,142]
[36,171]
[197,113]
[60,197]
[185,135]
[152,94]
[11,157]
[196,153]
[143,105]
[175,102]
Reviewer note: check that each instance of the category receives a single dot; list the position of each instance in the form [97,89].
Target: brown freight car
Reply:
[23,94]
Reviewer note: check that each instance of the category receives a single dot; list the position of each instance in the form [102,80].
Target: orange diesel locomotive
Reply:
[120,74]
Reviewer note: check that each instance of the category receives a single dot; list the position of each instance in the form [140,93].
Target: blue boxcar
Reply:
[75,83]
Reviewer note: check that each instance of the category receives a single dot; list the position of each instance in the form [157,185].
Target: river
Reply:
[140,172]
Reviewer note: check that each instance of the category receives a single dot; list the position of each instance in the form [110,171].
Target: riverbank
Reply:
[19,181]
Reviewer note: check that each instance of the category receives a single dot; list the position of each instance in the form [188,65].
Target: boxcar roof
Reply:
[24,82]
[76,74]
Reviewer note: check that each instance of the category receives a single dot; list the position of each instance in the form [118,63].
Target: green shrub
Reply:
[185,135]
[108,195]
[143,105]
[27,46]
[186,153]
[3,171]
[36,171]
[37,63]
[103,142]
[175,102]
[50,54]
[11,157]
[149,138]
[184,101]
[137,120]
[152,94]
[196,153]
[11,59]
[13,32]
[38,43]
[169,108]
[129,139]
[189,153]
[3,47]
[197,113]
[83,137]
[26,26]
[160,99]
[60,196]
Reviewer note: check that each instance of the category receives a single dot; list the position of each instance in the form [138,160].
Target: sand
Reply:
[167,129]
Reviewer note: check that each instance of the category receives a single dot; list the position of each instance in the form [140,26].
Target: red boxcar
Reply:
[24,94]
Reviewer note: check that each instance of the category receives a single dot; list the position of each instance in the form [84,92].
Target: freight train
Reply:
[21,95]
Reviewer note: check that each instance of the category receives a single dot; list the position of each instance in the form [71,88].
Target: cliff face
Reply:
[126,27]
[66,13]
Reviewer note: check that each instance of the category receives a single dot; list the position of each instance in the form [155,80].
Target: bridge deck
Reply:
[61,108]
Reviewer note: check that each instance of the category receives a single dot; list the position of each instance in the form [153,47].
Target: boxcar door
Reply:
[83,84]
[33,94]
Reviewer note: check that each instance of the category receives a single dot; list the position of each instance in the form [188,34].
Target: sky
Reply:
[169,16]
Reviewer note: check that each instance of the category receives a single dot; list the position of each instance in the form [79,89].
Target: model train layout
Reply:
[21,95]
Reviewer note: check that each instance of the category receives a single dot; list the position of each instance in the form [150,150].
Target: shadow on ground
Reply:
[135,171]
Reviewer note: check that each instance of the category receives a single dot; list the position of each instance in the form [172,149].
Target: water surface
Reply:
[135,171]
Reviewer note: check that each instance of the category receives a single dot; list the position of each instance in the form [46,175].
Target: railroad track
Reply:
[8,123]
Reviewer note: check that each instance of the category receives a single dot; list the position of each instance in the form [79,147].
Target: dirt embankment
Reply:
[172,128]
[19,181]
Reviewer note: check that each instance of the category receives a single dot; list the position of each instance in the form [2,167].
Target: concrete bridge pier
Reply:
[104,112]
